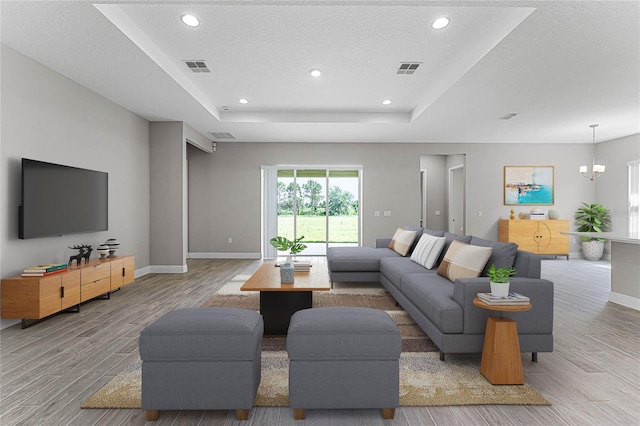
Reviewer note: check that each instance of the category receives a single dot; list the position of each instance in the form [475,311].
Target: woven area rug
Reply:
[424,381]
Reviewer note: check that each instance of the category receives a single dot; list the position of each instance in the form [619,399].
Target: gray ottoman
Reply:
[201,359]
[343,358]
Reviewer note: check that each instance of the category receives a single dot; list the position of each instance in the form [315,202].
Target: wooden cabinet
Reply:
[122,270]
[95,280]
[35,298]
[39,297]
[536,236]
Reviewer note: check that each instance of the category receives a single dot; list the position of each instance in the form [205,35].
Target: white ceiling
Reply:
[560,65]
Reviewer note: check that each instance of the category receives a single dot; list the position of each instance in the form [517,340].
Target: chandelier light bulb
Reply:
[596,169]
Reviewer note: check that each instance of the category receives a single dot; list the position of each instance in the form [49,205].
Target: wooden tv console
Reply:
[32,299]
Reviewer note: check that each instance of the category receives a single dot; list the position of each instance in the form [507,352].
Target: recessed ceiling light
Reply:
[386,102]
[243,101]
[190,20]
[440,23]
[315,72]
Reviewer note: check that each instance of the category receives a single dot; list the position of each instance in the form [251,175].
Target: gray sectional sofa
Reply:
[445,309]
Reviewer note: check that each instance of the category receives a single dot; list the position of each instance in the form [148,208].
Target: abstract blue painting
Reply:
[528,185]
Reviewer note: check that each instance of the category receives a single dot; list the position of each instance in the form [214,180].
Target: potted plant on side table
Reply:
[499,279]
[593,218]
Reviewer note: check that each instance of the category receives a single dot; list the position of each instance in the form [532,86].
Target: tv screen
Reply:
[60,200]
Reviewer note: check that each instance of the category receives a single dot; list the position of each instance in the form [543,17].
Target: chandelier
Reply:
[596,169]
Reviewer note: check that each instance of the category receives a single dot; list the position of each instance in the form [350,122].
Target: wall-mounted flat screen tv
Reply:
[60,200]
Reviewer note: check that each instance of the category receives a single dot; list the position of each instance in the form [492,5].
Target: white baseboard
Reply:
[214,255]
[624,300]
[142,272]
[168,269]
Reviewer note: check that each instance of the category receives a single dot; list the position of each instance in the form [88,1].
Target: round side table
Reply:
[501,363]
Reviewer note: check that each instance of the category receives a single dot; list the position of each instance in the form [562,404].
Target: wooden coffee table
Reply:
[501,363]
[279,301]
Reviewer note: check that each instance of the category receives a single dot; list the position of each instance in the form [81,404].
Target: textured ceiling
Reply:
[560,65]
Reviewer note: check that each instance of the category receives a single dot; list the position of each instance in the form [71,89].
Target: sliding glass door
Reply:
[320,204]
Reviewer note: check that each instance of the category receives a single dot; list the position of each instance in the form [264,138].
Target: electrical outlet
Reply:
[376,213]
[387,212]
[479,213]
[437,212]
[230,240]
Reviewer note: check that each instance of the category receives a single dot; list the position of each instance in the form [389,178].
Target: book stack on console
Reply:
[536,216]
[46,269]
[301,265]
[512,299]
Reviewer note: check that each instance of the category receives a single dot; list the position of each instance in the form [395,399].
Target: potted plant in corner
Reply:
[499,279]
[593,218]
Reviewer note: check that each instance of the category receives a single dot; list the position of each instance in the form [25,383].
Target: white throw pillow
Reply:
[402,241]
[427,250]
[463,261]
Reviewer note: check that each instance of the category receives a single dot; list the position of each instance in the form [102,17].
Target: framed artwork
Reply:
[528,185]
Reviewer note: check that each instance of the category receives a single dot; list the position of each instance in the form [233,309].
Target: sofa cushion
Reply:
[463,261]
[357,259]
[393,268]
[433,296]
[402,241]
[448,238]
[503,254]
[433,233]
[427,250]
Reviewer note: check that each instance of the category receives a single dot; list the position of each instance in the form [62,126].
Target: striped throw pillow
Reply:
[427,250]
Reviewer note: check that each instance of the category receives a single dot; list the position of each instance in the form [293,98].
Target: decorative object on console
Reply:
[84,251]
[103,251]
[528,185]
[513,214]
[113,246]
[499,279]
[596,169]
[522,215]
[593,218]
[553,214]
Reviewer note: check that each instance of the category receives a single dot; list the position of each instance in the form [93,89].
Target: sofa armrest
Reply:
[538,320]
[383,242]
[527,264]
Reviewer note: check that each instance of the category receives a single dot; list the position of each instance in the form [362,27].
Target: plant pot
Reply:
[500,289]
[592,250]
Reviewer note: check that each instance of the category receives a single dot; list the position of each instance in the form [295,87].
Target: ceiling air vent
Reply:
[197,66]
[222,135]
[408,68]
[508,116]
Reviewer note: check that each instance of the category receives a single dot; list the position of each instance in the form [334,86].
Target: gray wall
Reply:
[225,186]
[46,116]
[612,187]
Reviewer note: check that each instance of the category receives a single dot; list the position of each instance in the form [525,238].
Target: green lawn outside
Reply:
[343,229]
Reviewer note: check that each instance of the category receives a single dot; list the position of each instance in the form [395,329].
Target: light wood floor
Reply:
[48,370]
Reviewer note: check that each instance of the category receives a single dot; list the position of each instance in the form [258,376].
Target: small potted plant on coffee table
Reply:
[499,279]
[284,244]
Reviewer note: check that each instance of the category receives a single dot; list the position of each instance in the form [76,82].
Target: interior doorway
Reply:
[456,200]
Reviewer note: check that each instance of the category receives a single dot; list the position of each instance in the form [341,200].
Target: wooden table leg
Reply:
[501,360]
